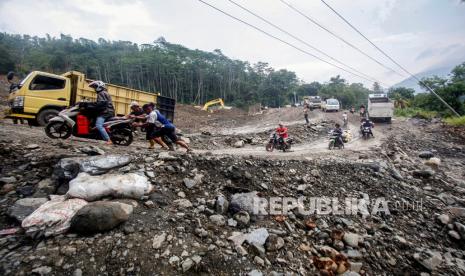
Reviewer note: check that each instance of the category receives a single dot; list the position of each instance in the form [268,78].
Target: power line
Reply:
[340,38]
[389,57]
[281,40]
[304,42]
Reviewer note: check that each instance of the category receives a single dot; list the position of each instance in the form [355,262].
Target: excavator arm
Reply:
[213,102]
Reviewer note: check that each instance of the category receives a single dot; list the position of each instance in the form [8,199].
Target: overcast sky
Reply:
[420,34]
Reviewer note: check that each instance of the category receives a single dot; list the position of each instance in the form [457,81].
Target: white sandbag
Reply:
[53,217]
[92,188]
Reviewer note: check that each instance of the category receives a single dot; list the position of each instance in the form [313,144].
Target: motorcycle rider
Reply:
[282,133]
[363,111]
[103,106]
[338,132]
[369,124]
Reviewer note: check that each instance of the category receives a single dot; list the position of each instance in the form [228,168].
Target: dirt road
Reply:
[307,148]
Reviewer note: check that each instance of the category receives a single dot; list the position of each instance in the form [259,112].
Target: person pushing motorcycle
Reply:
[158,126]
[103,107]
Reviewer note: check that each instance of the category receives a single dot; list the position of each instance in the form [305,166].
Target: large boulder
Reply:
[274,243]
[426,154]
[100,216]
[69,168]
[24,207]
[257,236]
[46,187]
[191,182]
[239,144]
[244,201]
[53,217]
[352,239]
[426,173]
[92,150]
[96,165]
[92,188]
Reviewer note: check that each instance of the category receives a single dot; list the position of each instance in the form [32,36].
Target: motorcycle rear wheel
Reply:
[269,147]
[121,137]
[58,130]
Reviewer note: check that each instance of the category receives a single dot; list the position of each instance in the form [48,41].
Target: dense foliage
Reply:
[189,76]
[451,89]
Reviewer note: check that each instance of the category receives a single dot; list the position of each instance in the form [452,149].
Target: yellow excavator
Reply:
[213,102]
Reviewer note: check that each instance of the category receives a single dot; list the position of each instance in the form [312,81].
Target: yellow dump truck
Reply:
[40,96]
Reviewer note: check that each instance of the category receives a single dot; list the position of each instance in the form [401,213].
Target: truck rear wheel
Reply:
[45,115]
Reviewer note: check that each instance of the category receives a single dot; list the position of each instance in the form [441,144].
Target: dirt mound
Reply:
[193,119]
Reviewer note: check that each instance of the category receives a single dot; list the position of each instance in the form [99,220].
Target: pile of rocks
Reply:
[201,217]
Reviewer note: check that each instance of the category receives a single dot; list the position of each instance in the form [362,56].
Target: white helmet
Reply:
[99,86]
[133,103]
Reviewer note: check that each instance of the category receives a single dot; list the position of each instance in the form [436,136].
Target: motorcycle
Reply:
[74,121]
[366,132]
[276,142]
[334,141]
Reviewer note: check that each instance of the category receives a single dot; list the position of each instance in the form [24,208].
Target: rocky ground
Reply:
[198,219]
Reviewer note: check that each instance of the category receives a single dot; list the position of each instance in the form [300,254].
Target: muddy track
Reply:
[308,149]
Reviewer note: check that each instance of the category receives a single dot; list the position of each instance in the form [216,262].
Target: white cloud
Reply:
[93,19]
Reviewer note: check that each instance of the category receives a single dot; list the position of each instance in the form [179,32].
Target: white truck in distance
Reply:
[380,107]
[313,101]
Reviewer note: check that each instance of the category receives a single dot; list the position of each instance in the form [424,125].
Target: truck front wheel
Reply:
[45,115]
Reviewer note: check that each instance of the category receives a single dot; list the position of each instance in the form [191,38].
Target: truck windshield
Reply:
[379,100]
[21,83]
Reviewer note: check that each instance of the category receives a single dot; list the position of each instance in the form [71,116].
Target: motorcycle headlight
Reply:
[18,101]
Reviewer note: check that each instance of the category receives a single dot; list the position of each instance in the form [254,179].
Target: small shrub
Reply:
[455,121]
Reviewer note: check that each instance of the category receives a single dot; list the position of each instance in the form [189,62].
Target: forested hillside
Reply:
[189,76]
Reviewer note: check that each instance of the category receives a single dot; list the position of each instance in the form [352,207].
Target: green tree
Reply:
[377,88]
[450,89]
[401,93]
[309,89]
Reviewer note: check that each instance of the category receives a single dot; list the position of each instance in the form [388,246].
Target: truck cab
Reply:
[39,97]
[313,101]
